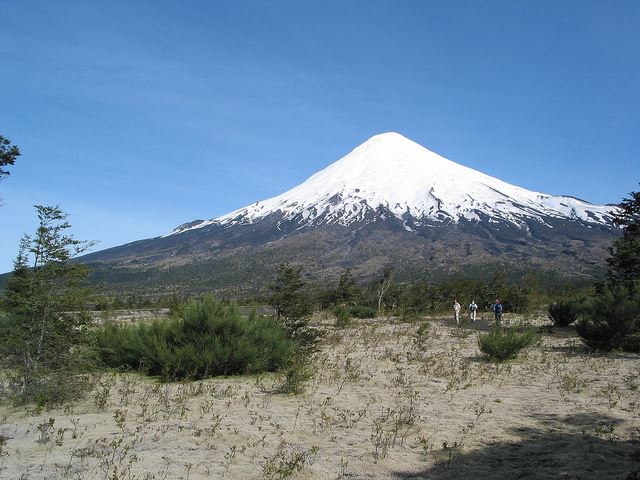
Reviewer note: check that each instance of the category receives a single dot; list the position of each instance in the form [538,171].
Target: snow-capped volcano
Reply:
[390,174]
[390,202]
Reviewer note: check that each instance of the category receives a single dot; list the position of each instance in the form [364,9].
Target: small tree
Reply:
[383,285]
[45,299]
[519,294]
[348,290]
[624,260]
[288,299]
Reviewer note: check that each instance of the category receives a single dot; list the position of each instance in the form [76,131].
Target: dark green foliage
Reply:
[326,297]
[44,330]
[208,339]
[518,294]
[563,312]
[624,260]
[8,155]
[425,298]
[502,344]
[343,316]
[348,291]
[295,373]
[288,299]
[611,319]
[419,298]
[497,286]
[362,311]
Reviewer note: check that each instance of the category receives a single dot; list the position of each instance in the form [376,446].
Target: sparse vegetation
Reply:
[380,393]
[286,461]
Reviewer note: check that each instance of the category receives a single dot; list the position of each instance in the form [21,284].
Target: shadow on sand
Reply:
[575,447]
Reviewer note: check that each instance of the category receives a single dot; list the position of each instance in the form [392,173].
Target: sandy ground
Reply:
[386,400]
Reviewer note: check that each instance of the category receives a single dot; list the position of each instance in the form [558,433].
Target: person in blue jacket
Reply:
[497,310]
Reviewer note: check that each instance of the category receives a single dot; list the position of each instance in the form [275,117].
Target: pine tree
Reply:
[44,299]
[348,291]
[611,319]
[287,297]
[624,260]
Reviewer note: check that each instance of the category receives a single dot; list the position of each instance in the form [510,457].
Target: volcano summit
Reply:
[388,202]
[390,174]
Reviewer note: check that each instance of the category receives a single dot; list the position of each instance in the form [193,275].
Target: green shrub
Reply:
[295,374]
[563,313]
[612,320]
[362,311]
[501,344]
[343,316]
[208,339]
[421,338]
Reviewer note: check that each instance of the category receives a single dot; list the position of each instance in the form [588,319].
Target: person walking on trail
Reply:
[473,308]
[497,310]
[456,310]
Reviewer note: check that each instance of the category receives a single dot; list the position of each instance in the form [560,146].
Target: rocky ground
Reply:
[386,399]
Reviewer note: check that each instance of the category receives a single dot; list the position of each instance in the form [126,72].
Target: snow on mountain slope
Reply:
[407,180]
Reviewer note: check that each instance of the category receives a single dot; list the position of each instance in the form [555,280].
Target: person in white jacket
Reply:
[456,310]
[473,308]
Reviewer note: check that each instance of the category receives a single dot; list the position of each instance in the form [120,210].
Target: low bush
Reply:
[563,312]
[362,311]
[502,344]
[343,316]
[294,375]
[612,320]
[207,339]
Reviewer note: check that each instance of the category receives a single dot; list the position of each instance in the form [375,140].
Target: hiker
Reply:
[473,308]
[456,310]
[497,309]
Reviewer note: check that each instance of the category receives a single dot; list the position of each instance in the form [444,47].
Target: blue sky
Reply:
[136,116]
